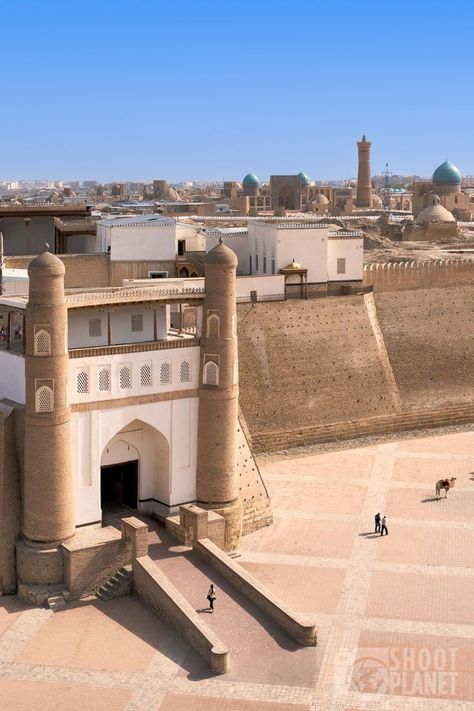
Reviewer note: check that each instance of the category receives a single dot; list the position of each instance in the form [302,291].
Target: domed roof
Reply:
[46,263]
[434,213]
[447,173]
[250,179]
[293,265]
[221,255]
[304,179]
[321,199]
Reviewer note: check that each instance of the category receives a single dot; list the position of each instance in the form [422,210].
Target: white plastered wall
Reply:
[352,250]
[163,435]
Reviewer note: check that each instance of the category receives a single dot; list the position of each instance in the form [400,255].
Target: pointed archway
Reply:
[135,468]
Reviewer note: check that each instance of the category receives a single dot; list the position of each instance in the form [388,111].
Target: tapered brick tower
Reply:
[216,480]
[48,507]
[364,184]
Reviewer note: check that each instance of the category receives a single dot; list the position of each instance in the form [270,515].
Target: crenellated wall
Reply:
[398,276]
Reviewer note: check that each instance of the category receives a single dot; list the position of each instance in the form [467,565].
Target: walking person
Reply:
[377,523]
[211,596]
[384,526]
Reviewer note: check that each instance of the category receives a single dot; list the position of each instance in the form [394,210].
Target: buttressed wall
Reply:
[337,367]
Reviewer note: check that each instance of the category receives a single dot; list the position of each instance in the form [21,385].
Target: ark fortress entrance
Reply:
[136,453]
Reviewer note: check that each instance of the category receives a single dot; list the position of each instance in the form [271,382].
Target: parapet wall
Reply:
[397,276]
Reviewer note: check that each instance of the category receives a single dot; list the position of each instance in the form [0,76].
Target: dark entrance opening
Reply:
[119,486]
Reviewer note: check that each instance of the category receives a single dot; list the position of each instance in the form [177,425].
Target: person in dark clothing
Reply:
[211,596]
[377,523]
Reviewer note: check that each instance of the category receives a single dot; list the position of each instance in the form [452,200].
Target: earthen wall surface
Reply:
[309,362]
[398,276]
[429,335]
[10,486]
[321,370]
[82,270]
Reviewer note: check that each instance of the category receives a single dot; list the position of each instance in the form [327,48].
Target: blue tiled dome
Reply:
[304,179]
[251,179]
[447,173]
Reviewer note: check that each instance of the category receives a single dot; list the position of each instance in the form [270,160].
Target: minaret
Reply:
[48,494]
[216,478]
[364,185]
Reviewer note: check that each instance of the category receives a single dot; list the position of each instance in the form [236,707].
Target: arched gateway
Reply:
[135,467]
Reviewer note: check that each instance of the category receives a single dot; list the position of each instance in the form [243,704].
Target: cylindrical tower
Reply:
[216,477]
[364,184]
[48,505]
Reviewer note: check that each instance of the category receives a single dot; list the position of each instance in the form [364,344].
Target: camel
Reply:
[445,484]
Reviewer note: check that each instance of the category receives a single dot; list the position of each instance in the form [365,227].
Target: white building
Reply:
[264,247]
[148,238]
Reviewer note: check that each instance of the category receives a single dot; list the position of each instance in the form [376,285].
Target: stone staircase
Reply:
[119,585]
[56,601]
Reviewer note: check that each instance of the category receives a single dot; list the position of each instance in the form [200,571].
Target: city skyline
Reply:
[132,95]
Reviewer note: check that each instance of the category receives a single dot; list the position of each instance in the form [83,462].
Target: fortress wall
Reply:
[10,485]
[82,270]
[435,273]
[317,371]
[429,335]
[256,505]
[306,363]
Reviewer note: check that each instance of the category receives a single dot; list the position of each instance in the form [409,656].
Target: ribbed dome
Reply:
[447,173]
[434,213]
[304,179]
[320,199]
[46,263]
[293,265]
[251,179]
[222,255]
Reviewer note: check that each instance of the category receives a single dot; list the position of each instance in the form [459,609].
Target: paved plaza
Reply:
[395,614]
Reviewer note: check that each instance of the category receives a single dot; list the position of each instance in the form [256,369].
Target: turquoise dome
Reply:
[304,179]
[251,179]
[447,173]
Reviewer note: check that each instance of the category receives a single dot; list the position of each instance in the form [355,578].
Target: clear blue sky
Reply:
[205,89]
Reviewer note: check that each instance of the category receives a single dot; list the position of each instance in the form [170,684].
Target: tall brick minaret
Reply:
[216,478]
[364,184]
[48,517]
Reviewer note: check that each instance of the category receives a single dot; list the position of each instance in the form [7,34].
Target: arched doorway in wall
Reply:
[183,273]
[135,468]
[286,198]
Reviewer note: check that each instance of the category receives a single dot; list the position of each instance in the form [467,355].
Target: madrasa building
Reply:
[117,398]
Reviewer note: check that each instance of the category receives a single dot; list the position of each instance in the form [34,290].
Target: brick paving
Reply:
[395,615]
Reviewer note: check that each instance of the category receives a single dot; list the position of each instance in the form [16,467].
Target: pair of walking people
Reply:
[381,525]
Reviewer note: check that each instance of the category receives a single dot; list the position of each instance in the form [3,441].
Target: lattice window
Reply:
[185,372]
[104,380]
[42,343]
[165,372]
[213,326]
[95,327]
[125,377]
[136,322]
[145,375]
[341,265]
[44,399]
[211,373]
[82,382]
[235,372]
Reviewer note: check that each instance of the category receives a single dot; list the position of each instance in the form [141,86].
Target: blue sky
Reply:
[206,89]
